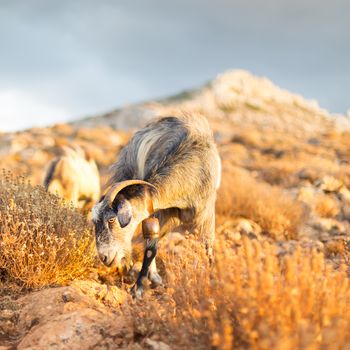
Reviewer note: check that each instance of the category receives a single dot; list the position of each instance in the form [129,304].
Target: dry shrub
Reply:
[251,298]
[249,138]
[290,169]
[240,195]
[294,302]
[176,314]
[335,247]
[280,173]
[326,207]
[41,241]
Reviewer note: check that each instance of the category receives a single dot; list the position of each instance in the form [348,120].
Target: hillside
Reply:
[280,279]
[237,97]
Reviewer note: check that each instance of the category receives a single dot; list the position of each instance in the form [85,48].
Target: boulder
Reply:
[84,315]
[80,329]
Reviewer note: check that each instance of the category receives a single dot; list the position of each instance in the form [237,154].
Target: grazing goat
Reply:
[74,176]
[166,177]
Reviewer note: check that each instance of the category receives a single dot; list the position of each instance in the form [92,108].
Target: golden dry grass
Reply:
[254,296]
[251,298]
[241,195]
[259,293]
[42,241]
[326,207]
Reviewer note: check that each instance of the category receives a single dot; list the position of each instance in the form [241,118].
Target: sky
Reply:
[63,60]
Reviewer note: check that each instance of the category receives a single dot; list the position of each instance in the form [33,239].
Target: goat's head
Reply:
[116,217]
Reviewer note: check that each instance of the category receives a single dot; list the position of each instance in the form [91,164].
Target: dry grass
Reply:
[326,207]
[42,241]
[240,195]
[281,159]
[255,296]
[251,298]
[258,294]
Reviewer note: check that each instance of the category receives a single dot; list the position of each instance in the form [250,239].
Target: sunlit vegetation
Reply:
[255,295]
[280,278]
[42,241]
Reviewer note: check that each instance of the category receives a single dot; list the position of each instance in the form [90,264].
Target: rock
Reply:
[344,194]
[110,295]
[236,236]
[156,345]
[324,236]
[246,226]
[7,314]
[314,141]
[308,174]
[308,232]
[345,212]
[332,226]
[285,247]
[134,346]
[73,317]
[63,129]
[306,194]
[289,247]
[234,229]
[330,184]
[82,329]
[312,244]
[43,305]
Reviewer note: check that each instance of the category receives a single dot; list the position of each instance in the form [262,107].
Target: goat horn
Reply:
[121,185]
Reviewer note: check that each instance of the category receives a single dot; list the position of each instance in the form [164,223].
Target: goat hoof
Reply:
[136,292]
[155,279]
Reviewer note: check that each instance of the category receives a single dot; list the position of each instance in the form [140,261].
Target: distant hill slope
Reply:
[236,97]
[247,112]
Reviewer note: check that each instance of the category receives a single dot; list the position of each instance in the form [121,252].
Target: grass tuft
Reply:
[240,195]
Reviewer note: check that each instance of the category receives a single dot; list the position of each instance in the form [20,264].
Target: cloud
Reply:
[20,110]
[85,57]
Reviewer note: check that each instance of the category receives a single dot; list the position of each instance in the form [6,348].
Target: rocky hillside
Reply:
[283,210]
[239,97]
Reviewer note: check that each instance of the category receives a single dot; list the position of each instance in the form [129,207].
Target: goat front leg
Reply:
[150,229]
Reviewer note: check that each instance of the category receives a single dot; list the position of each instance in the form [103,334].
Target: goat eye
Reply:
[111,220]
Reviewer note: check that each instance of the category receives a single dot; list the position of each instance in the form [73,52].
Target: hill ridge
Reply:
[236,96]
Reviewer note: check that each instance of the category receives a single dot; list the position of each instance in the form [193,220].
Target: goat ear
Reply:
[123,209]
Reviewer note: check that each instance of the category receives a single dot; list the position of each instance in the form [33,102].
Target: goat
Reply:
[166,176]
[74,177]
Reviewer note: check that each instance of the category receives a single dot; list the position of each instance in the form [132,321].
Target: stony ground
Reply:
[272,143]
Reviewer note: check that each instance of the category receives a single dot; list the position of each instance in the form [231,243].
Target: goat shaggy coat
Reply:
[175,171]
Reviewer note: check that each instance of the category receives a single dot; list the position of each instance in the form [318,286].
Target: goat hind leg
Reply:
[153,275]
[209,235]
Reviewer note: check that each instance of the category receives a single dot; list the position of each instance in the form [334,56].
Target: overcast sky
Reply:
[61,60]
